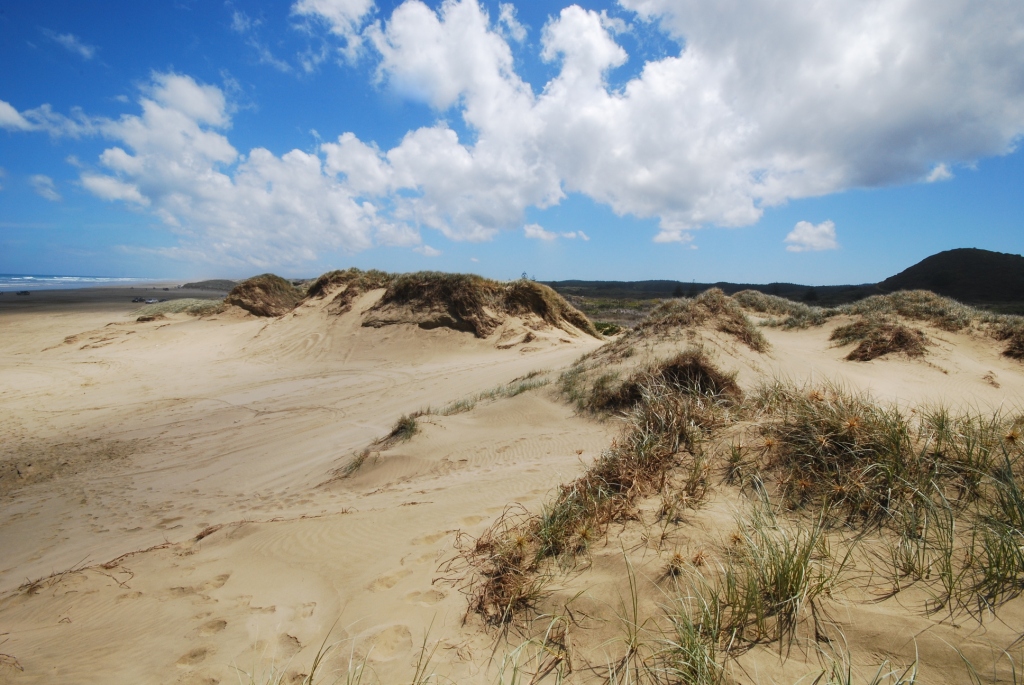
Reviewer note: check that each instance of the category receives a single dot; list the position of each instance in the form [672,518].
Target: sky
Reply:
[807,141]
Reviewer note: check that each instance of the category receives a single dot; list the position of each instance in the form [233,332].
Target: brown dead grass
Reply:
[879,337]
[355,281]
[471,303]
[1015,346]
[265,295]
[681,401]
[710,307]
[688,371]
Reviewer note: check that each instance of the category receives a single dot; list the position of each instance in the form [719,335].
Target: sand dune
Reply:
[180,480]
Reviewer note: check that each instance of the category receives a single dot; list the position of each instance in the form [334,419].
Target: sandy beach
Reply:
[179,504]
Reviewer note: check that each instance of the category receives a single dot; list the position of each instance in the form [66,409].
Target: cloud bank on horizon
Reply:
[761,102]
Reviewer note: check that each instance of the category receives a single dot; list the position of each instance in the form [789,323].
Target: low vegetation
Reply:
[621,313]
[688,371]
[672,415]
[832,480]
[878,337]
[796,314]
[356,282]
[266,295]
[472,303]
[880,325]
[710,307]
[185,305]
[607,329]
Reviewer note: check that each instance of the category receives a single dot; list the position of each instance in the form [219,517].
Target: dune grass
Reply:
[926,497]
[265,295]
[407,425]
[403,430]
[916,305]
[878,337]
[669,417]
[477,304]
[185,305]
[711,306]
[355,281]
[691,369]
[796,314]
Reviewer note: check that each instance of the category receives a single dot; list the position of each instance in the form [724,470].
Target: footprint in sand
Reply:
[194,656]
[216,583]
[202,680]
[424,558]
[388,580]
[213,627]
[429,539]
[472,520]
[427,598]
[391,643]
[306,610]
[288,646]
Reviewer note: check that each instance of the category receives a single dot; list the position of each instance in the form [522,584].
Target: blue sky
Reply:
[749,142]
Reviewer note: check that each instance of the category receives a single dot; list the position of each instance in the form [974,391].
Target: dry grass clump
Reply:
[843,452]
[689,371]
[948,488]
[878,337]
[669,419]
[797,314]
[529,297]
[472,303]
[927,497]
[710,305]
[505,561]
[265,295]
[919,305]
[356,283]
[1015,346]
[185,305]
[922,305]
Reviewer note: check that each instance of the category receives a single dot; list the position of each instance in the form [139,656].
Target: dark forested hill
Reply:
[967,274]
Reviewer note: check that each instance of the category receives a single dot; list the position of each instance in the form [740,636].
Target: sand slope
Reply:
[179,478]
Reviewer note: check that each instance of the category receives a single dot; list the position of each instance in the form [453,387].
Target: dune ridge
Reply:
[191,520]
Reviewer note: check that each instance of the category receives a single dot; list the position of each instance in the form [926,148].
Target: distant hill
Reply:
[649,290]
[966,274]
[218,284]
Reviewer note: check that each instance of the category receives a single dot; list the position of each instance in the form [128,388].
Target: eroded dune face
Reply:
[227,492]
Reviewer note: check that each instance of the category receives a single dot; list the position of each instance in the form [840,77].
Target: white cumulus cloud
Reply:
[345,18]
[808,237]
[174,160]
[760,103]
[44,187]
[507,18]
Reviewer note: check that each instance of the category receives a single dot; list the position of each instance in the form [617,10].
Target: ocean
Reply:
[15,282]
